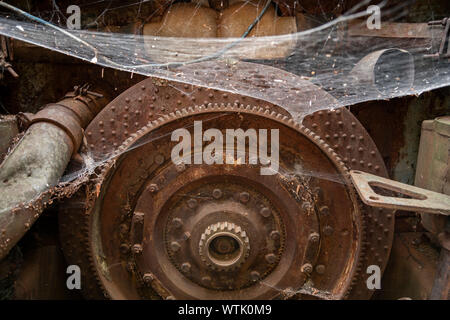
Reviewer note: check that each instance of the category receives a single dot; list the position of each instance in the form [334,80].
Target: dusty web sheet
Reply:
[324,55]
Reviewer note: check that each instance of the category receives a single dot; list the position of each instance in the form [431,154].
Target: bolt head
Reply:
[192,203]
[206,280]
[324,210]
[217,193]
[148,278]
[275,235]
[320,269]
[186,267]
[314,237]
[307,268]
[175,246]
[124,248]
[244,197]
[177,223]
[180,167]
[328,230]
[265,212]
[159,159]
[186,235]
[270,258]
[254,275]
[137,248]
[153,188]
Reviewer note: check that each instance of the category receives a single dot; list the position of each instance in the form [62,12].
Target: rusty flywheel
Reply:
[150,227]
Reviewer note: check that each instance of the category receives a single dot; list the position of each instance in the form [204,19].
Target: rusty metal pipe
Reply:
[38,161]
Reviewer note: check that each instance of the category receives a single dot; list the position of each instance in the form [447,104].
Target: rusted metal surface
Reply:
[411,198]
[134,201]
[187,196]
[433,165]
[441,286]
[411,269]
[39,160]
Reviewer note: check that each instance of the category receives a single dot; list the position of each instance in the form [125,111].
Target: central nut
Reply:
[224,246]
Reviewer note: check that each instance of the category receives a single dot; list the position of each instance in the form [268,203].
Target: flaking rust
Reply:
[147,184]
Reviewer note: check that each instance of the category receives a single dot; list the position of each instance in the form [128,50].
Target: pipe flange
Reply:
[224,246]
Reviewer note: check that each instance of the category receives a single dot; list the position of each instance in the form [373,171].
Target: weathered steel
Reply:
[417,199]
[140,183]
[37,163]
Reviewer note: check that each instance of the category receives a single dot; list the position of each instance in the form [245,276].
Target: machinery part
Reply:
[433,166]
[375,70]
[445,38]
[38,161]
[233,21]
[183,206]
[152,98]
[417,199]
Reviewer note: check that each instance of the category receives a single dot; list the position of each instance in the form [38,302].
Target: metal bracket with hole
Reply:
[410,198]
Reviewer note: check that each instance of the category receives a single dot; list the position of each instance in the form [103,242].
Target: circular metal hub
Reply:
[153,228]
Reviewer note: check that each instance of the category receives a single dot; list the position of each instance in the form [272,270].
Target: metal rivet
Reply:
[175,246]
[314,237]
[192,203]
[270,258]
[137,248]
[217,193]
[254,275]
[328,230]
[275,235]
[185,267]
[320,269]
[265,212]
[244,197]
[148,278]
[307,268]
[153,188]
[177,223]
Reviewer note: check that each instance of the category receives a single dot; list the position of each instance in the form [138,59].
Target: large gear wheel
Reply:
[152,228]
